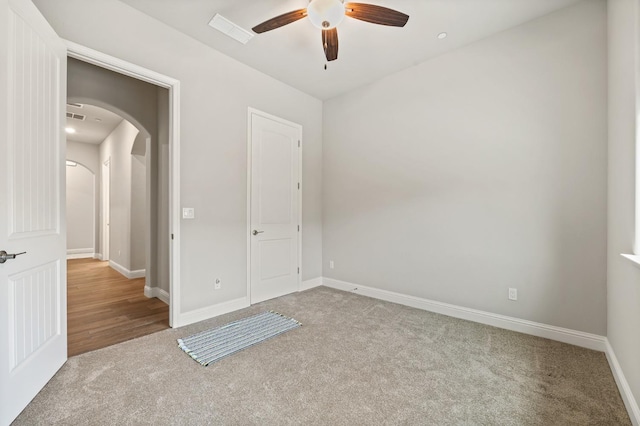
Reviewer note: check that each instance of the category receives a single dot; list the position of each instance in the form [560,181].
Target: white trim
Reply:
[80,251]
[81,256]
[633,258]
[309,284]
[623,386]
[202,314]
[156,292]
[97,256]
[250,112]
[83,253]
[138,273]
[103,60]
[573,337]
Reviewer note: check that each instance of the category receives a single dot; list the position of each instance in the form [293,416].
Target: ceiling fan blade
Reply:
[376,14]
[330,44]
[280,21]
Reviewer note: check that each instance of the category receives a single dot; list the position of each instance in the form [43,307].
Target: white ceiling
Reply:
[367,52]
[97,125]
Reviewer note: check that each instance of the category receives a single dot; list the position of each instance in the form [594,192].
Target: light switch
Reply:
[188,213]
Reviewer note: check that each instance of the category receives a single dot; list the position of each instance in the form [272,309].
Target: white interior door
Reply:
[274,238]
[33,329]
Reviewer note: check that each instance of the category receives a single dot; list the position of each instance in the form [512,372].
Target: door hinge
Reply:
[172,236]
[298,228]
[298,270]
[298,185]
[298,144]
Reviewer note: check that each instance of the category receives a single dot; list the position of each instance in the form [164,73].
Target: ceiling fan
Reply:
[327,14]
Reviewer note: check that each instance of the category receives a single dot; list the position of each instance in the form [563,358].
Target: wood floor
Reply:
[105,308]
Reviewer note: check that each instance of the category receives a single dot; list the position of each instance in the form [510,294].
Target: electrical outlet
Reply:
[331,264]
[513,294]
[218,284]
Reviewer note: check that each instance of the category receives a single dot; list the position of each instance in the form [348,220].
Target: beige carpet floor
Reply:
[354,361]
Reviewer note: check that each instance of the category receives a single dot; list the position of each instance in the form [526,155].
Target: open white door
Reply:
[33,328]
[274,240]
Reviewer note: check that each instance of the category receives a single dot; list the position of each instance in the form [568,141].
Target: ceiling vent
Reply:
[76,116]
[230,29]
[75,105]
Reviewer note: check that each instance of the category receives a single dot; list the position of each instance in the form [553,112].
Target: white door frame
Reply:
[111,63]
[250,112]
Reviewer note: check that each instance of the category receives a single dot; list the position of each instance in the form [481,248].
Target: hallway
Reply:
[105,308]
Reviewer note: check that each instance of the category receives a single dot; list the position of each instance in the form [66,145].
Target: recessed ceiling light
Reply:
[71,163]
[70,130]
[98,119]
[442,35]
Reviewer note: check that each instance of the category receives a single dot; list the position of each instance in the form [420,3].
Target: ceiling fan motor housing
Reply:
[326,14]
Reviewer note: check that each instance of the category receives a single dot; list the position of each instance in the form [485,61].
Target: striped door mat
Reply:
[212,345]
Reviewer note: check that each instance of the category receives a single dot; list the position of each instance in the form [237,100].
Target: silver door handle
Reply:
[4,256]
[256,232]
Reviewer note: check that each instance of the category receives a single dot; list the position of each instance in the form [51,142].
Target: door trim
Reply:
[252,111]
[120,66]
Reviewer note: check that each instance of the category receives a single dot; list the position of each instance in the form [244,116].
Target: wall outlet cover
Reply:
[188,213]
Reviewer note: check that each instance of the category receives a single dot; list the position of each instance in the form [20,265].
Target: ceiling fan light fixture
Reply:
[325,14]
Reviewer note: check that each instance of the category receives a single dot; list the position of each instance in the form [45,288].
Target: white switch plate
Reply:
[513,294]
[188,213]
[331,264]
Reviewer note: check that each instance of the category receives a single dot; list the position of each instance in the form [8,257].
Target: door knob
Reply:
[4,256]
[256,232]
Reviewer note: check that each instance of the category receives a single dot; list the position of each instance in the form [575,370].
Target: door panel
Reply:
[275,169]
[33,331]
[274,210]
[36,72]
[275,258]
[30,293]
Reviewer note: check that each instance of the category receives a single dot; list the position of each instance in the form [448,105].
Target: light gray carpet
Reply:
[356,360]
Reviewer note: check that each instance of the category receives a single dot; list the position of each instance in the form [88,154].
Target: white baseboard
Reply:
[83,253]
[140,273]
[573,337]
[97,256]
[202,314]
[156,292]
[623,386]
[309,284]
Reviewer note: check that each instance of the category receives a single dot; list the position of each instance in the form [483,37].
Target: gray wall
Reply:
[138,212]
[623,290]
[162,245]
[117,149]
[480,170]
[89,156]
[80,210]
[216,92]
